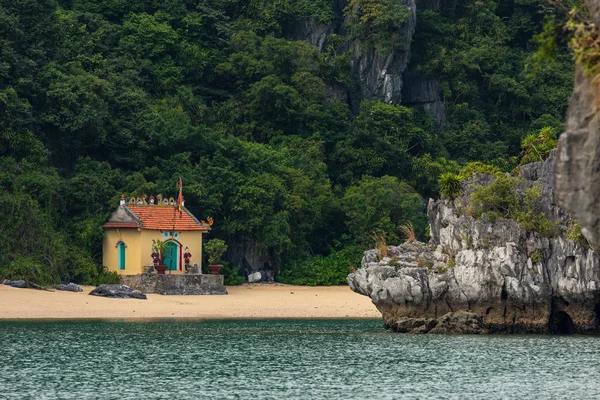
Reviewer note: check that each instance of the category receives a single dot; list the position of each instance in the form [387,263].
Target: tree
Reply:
[380,205]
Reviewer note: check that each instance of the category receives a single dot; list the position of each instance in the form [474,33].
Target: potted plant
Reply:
[215,249]
[158,251]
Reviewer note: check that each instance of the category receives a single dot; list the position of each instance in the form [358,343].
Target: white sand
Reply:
[246,301]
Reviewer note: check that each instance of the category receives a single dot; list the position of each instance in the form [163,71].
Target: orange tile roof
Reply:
[120,225]
[165,218]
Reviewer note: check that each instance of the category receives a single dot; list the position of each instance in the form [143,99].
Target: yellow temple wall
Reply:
[110,252]
[139,248]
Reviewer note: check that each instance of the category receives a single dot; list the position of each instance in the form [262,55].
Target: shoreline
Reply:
[248,301]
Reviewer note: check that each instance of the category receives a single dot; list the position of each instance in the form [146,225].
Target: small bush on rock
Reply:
[450,185]
[500,200]
[478,168]
[497,200]
[575,234]
[532,220]
[538,147]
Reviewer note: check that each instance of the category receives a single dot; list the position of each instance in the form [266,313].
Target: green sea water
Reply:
[286,359]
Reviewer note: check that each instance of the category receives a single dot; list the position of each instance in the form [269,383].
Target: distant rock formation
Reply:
[577,168]
[381,73]
[513,280]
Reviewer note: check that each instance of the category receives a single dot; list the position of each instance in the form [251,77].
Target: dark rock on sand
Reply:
[117,292]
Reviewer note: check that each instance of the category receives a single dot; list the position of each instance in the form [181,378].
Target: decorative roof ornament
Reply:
[209,221]
[151,200]
[122,201]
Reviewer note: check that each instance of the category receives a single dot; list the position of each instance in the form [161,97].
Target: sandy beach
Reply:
[246,301]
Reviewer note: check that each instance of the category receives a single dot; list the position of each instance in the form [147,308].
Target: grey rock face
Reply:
[313,32]
[381,72]
[515,281]
[118,292]
[247,255]
[425,93]
[71,287]
[577,168]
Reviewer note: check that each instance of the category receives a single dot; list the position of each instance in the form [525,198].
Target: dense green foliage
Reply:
[323,270]
[103,97]
[494,91]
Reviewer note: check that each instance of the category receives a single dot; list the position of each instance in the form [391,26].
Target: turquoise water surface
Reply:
[289,359]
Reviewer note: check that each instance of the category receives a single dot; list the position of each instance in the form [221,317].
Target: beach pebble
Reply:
[71,287]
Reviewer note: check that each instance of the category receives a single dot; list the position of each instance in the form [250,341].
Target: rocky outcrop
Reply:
[514,280]
[117,292]
[460,322]
[577,177]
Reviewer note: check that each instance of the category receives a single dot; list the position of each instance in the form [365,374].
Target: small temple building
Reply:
[133,228]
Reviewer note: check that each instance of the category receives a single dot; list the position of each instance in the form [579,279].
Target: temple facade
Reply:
[132,231]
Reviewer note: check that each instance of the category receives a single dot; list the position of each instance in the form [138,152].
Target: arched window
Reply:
[121,247]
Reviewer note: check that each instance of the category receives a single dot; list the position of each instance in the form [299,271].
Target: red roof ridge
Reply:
[165,217]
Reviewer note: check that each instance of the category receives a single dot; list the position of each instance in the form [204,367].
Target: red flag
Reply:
[180,199]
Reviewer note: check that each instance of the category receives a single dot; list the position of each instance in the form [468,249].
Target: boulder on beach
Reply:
[254,277]
[70,287]
[117,292]
[18,284]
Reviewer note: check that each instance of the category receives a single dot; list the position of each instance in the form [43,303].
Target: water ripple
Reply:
[293,359]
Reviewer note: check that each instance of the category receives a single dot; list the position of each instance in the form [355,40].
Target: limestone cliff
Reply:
[577,168]
[511,280]
[380,73]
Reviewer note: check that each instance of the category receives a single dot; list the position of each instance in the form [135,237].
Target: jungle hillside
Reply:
[309,130]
